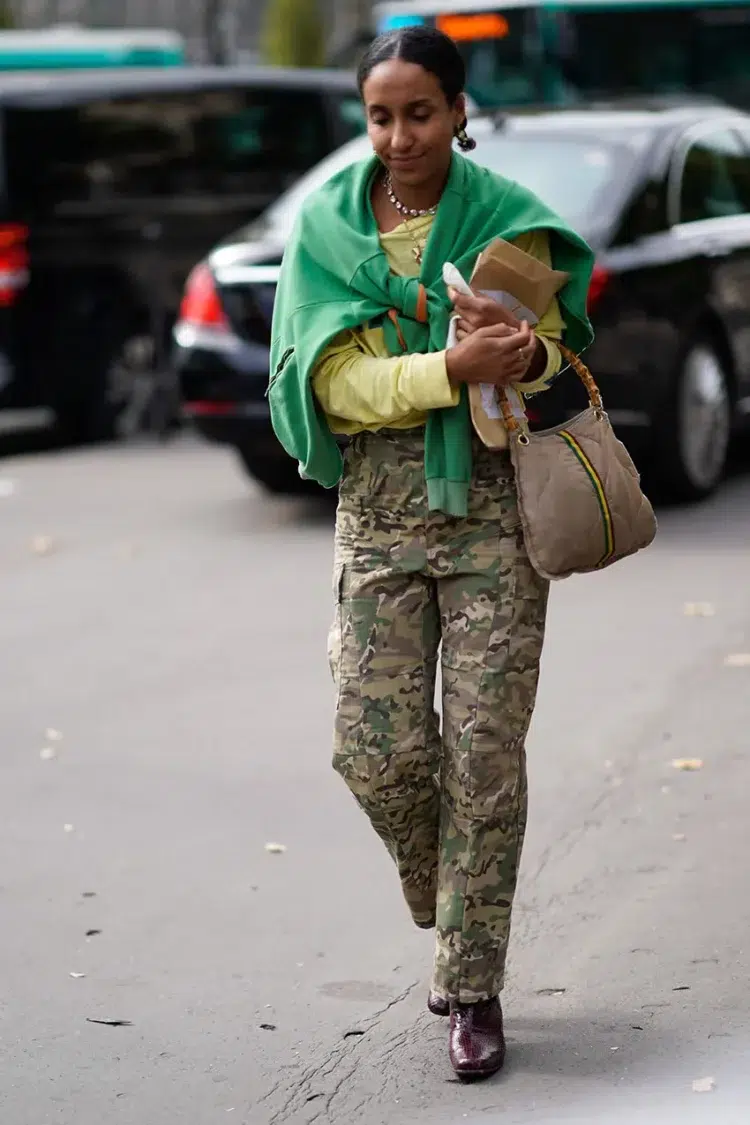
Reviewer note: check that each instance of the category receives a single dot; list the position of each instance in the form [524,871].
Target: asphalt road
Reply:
[170,624]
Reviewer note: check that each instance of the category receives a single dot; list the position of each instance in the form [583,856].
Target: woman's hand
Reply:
[480,312]
[496,354]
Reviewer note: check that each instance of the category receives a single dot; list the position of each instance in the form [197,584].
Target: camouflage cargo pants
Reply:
[449,806]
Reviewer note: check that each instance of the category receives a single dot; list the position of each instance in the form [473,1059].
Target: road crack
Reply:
[305,1091]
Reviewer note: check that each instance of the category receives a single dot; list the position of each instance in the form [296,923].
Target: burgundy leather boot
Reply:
[437,1005]
[477,1042]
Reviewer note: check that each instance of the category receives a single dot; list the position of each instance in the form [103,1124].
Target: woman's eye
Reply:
[421,117]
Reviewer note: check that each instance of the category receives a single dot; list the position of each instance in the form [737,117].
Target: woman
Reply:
[429,549]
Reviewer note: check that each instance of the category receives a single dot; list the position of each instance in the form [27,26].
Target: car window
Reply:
[281,216]
[715,178]
[574,175]
[248,142]
[350,113]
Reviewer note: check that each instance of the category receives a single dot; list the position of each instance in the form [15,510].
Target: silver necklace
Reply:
[413,212]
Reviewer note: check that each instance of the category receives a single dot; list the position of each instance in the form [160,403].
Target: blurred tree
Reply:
[293,33]
[6,15]
[213,31]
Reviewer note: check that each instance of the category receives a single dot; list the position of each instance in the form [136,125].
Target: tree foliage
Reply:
[293,33]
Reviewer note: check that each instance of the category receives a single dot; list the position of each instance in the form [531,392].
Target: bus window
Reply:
[563,52]
[500,70]
[652,50]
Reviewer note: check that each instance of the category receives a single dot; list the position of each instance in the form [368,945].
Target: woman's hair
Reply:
[433,51]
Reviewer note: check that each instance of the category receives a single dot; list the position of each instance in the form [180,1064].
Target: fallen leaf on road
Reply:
[89,894]
[737,660]
[704,1085]
[77,976]
[681,988]
[276,849]
[93,933]
[688,764]
[42,545]
[48,753]
[550,992]
[52,735]
[268,1027]
[111,1023]
[699,609]
[7,488]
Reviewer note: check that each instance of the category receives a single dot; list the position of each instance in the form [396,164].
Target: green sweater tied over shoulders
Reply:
[335,276]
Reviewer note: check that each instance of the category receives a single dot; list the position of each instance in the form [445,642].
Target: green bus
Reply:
[566,52]
[80,48]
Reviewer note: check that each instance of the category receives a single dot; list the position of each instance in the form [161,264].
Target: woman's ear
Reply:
[460,110]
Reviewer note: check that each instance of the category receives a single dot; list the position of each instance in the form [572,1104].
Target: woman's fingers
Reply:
[508,342]
[482,311]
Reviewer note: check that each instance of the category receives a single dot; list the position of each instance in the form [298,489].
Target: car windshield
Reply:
[573,174]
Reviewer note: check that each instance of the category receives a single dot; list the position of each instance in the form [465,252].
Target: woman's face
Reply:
[409,121]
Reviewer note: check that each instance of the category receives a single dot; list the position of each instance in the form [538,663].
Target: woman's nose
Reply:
[400,139]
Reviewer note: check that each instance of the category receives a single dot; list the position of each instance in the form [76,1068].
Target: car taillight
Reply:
[201,306]
[599,282]
[14,262]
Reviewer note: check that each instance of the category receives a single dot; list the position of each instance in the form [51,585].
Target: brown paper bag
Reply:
[526,286]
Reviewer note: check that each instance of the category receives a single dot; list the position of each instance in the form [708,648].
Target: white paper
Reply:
[454,280]
[488,391]
[509,302]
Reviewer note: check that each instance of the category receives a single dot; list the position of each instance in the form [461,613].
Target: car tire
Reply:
[276,474]
[123,392]
[692,442]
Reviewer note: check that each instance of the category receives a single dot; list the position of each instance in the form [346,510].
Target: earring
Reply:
[465,142]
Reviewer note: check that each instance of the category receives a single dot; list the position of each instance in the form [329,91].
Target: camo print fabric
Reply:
[450,807]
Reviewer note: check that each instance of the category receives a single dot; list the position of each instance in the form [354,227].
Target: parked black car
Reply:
[114,184]
[663,195]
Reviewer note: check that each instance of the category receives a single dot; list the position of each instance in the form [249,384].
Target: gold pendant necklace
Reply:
[417,249]
[409,213]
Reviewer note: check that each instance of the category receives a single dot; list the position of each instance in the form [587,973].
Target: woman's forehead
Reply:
[396,81]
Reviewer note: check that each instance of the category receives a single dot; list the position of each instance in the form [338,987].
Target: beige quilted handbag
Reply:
[579,493]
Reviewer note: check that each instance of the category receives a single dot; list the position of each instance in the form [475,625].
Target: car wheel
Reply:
[693,446]
[116,391]
[277,474]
